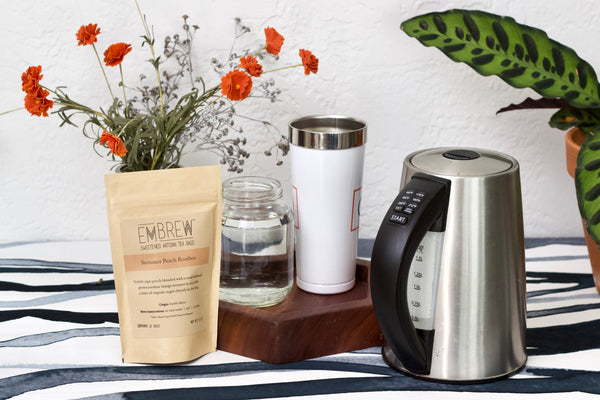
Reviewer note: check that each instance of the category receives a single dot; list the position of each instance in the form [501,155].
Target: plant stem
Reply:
[190,38]
[70,103]
[282,68]
[123,86]
[154,60]
[9,111]
[210,93]
[125,126]
[259,50]
[203,84]
[103,72]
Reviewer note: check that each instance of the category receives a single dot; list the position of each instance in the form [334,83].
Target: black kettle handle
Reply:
[397,240]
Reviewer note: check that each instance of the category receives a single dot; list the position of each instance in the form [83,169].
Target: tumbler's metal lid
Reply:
[328,132]
[461,162]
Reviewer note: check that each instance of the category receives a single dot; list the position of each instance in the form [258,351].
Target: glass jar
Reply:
[257,264]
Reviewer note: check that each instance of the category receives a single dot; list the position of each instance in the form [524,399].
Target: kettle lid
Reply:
[461,161]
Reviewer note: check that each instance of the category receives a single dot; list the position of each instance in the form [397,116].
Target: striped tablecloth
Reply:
[59,339]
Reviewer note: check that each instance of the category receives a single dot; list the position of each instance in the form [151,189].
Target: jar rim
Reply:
[251,189]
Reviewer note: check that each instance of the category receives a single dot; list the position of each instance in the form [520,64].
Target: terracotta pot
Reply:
[574,139]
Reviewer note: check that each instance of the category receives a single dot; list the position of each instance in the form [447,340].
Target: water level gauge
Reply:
[423,278]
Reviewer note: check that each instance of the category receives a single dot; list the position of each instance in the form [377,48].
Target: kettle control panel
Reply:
[414,198]
[407,203]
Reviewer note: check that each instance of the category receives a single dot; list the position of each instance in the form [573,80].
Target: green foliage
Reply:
[587,183]
[150,137]
[521,55]
[525,57]
[586,119]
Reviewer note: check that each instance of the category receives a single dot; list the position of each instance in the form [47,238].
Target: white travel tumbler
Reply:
[327,153]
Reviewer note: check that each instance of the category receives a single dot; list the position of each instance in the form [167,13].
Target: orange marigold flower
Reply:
[310,62]
[37,103]
[115,53]
[31,79]
[251,65]
[236,85]
[114,143]
[274,41]
[87,34]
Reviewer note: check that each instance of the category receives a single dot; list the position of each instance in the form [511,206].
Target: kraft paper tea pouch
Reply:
[165,235]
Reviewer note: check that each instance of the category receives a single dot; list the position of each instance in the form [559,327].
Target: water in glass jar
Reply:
[257,256]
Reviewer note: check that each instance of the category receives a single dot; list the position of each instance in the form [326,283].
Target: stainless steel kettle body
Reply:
[448,268]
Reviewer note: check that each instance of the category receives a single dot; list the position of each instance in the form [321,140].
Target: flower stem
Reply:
[9,111]
[123,86]
[124,126]
[150,41]
[259,50]
[103,72]
[282,68]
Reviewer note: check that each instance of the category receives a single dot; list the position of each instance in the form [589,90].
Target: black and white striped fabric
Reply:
[59,339]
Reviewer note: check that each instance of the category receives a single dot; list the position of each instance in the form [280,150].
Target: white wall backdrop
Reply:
[52,182]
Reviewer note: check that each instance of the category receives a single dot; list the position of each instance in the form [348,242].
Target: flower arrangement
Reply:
[151,129]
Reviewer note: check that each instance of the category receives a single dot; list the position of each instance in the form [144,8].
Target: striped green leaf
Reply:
[587,184]
[521,55]
[586,119]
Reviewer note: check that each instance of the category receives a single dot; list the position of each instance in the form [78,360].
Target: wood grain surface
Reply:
[303,326]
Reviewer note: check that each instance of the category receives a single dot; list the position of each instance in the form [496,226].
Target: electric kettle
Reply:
[448,268]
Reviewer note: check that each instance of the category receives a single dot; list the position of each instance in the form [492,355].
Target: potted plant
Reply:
[524,56]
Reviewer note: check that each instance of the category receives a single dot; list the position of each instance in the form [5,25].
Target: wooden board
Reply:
[303,326]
